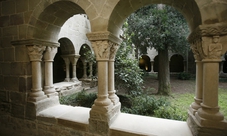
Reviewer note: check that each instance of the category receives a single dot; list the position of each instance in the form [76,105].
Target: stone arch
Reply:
[145,63]
[124,8]
[176,63]
[66,46]
[47,19]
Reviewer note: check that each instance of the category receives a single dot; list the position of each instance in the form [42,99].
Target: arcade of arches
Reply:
[32,30]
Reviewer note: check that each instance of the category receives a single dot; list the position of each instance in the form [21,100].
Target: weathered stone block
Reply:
[22,68]
[33,4]
[25,84]
[5,107]
[17,97]
[10,31]
[6,41]
[1,81]
[27,16]
[17,19]
[4,96]
[1,55]
[21,5]
[23,34]
[8,7]
[18,110]
[21,54]
[11,83]
[9,54]
[4,21]
[6,68]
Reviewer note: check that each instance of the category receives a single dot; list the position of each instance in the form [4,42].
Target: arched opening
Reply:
[177,63]
[59,67]
[156,63]
[145,63]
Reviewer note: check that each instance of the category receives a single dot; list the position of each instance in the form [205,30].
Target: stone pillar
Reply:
[48,59]
[35,53]
[111,86]
[85,68]
[208,115]
[67,63]
[91,69]
[204,115]
[103,112]
[198,88]
[152,66]
[74,60]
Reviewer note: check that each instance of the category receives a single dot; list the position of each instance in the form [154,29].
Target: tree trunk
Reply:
[164,87]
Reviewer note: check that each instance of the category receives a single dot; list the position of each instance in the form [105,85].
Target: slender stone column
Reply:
[91,69]
[67,63]
[152,66]
[85,68]
[48,59]
[111,87]
[35,54]
[74,60]
[102,51]
[198,88]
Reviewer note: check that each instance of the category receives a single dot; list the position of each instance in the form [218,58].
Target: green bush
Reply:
[79,99]
[184,76]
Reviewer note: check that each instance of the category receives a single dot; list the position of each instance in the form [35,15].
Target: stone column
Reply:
[35,53]
[48,59]
[208,115]
[111,86]
[74,60]
[198,88]
[152,66]
[67,63]
[91,69]
[103,112]
[85,68]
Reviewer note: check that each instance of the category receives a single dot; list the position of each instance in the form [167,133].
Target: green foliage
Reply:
[158,26]
[184,76]
[128,75]
[79,99]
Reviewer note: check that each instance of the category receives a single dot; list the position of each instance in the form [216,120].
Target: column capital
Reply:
[35,52]
[74,58]
[101,49]
[113,50]
[49,53]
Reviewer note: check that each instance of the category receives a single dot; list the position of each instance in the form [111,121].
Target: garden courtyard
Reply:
[147,103]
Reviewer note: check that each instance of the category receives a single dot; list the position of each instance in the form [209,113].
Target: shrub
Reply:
[79,99]
[184,76]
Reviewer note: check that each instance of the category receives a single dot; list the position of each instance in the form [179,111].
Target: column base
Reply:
[102,117]
[36,95]
[204,127]
[195,106]
[67,79]
[49,89]
[74,80]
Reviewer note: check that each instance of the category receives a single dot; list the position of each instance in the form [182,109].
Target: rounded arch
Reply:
[83,49]
[124,8]
[66,46]
[145,63]
[176,63]
[47,19]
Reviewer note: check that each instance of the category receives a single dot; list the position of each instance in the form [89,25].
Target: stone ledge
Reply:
[136,125]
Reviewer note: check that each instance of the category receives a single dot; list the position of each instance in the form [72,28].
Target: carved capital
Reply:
[35,52]
[73,59]
[196,49]
[101,49]
[113,50]
[66,59]
[212,48]
[49,53]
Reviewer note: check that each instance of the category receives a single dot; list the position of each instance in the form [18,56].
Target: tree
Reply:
[163,28]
